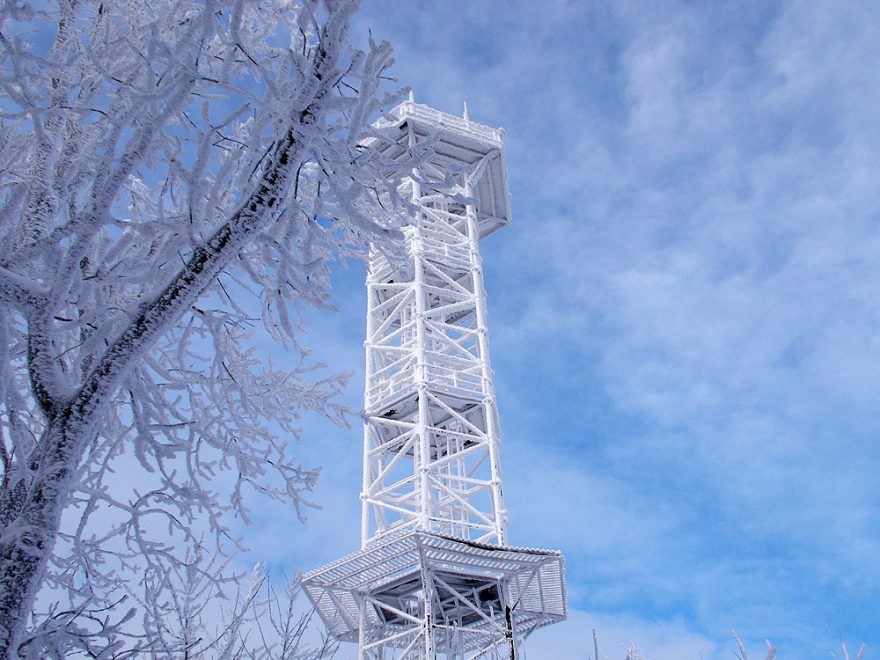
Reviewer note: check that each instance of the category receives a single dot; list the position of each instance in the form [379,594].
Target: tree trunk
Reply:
[27,542]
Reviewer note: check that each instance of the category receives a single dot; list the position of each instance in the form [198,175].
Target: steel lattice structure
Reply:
[434,575]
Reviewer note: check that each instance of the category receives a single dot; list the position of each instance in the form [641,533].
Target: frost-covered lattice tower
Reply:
[434,576]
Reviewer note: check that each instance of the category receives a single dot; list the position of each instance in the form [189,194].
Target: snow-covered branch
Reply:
[19,292]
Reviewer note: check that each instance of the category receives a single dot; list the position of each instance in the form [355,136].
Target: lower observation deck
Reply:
[482,594]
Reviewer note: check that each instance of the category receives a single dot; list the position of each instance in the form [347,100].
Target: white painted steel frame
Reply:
[434,576]
[431,434]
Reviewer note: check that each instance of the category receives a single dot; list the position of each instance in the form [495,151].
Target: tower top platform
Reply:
[471,152]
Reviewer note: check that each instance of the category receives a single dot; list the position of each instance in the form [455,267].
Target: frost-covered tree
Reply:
[633,652]
[174,176]
[258,623]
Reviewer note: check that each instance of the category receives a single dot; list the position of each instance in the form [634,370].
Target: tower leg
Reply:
[362,631]
[427,611]
[509,632]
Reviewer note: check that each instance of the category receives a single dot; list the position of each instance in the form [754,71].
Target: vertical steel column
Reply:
[493,431]
[366,472]
[421,380]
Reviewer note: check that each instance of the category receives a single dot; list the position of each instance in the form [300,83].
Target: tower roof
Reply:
[479,149]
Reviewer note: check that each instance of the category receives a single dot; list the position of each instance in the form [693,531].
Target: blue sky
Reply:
[684,314]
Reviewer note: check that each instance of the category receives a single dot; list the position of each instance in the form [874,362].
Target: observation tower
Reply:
[434,577]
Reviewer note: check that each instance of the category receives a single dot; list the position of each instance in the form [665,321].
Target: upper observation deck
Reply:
[472,154]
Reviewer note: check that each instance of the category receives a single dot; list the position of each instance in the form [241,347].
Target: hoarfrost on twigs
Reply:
[173,173]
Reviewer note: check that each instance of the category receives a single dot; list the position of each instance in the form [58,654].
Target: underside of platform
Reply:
[421,594]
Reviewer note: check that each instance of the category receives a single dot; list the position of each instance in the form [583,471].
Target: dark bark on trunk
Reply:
[27,541]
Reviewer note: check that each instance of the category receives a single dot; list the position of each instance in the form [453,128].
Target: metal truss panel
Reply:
[437,467]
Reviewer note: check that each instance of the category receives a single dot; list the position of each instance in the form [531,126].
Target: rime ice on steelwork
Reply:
[434,576]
